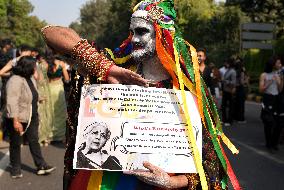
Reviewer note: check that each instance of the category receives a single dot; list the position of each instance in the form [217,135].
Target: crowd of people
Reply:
[231,81]
[33,98]
[33,103]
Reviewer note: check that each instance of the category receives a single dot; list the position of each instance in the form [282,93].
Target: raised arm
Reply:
[5,71]
[64,71]
[66,41]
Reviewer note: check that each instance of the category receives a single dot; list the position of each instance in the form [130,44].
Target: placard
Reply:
[121,126]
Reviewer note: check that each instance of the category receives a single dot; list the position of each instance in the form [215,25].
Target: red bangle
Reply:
[107,72]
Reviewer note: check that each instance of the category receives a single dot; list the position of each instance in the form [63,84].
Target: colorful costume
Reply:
[179,58]
[58,105]
[45,107]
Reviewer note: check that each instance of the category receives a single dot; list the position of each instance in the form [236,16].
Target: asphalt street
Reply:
[53,155]
[255,167]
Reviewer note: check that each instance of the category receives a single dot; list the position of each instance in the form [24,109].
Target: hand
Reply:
[155,176]
[18,127]
[277,79]
[60,39]
[119,75]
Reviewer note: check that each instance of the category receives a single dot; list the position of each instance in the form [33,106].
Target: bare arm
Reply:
[63,40]
[6,69]
[263,84]
[64,71]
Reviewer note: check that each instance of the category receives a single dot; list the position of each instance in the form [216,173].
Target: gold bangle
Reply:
[97,64]
[193,181]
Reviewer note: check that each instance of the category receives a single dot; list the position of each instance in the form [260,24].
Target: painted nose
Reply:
[135,40]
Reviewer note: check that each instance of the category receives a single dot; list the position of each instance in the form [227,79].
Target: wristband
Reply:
[96,64]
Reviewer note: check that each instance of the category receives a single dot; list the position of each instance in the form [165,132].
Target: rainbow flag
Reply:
[104,180]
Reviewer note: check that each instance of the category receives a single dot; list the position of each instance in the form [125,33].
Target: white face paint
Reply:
[143,40]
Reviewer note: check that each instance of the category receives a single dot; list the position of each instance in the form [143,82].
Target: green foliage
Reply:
[271,11]
[104,21]
[279,46]
[203,24]
[16,23]
[213,27]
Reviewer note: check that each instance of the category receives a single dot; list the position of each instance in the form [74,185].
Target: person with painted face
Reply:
[156,55]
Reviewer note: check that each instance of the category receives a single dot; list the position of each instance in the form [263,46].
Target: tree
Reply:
[271,11]
[213,27]
[203,24]
[16,23]
[104,21]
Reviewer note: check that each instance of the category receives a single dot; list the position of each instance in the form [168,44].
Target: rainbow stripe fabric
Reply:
[104,180]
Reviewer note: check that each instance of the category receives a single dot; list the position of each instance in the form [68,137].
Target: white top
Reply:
[273,87]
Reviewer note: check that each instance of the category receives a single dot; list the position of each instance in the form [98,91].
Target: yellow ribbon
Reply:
[118,61]
[229,144]
[196,155]
[225,139]
[193,54]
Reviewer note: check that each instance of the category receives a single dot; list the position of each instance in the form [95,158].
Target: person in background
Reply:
[56,72]
[270,85]
[5,74]
[6,54]
[149,49]
[34,52]
[67,82]
[22,116]
[224,69]
[216,79]
[240,96]
[24,50]
[229,89]
[205,70]
[45,105]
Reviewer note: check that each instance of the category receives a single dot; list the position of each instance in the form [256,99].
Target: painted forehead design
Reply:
[140,23]
[154,11]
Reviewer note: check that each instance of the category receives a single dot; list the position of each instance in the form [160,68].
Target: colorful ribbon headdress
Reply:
[180,60]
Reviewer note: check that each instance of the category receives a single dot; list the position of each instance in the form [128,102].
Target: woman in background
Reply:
[240,96]
[270,84]
[22,114]
[45,106]
[229,89]
[56,70]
